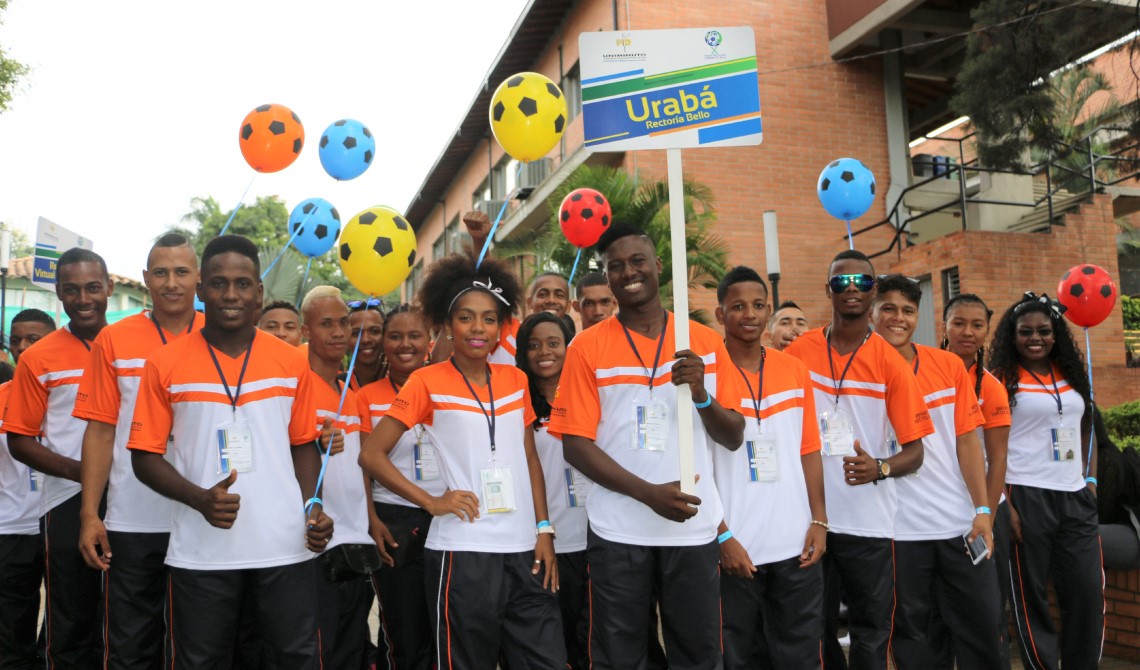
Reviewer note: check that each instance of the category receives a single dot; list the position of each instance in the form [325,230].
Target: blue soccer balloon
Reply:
[846,189]
[319,223]
[347,149]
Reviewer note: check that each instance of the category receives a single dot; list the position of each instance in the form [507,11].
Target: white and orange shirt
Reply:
[1034,417]
[344,493]
[879,392]
[603,385]
[414,454]
[42,398]
[182,404]
[762,483]
[20,491]
[936,505]
[504,352]
[567,491]
[437,397]
[107,394]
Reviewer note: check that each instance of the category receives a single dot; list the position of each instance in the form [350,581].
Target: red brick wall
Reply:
[1122,614]
[1001,266]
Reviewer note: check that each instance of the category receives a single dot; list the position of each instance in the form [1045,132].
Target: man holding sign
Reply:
[617,416]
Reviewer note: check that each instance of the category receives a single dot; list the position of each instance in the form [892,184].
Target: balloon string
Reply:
[495,225]
[340,407]
[238,206]
[304,279]
[297,231]
[575,268]
[850,239]
[1092,397]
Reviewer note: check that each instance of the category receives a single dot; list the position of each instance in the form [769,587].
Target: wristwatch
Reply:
[545,530]
[884,469]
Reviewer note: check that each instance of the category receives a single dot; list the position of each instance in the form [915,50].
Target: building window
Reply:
[504,178]
[572,89]
[439,247]
[951,284]
[454,236]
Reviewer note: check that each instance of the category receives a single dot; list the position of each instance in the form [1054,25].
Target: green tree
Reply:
[21,244]
[643,203]
[11,71]
[265,222]
[1071,91]
[1000,85]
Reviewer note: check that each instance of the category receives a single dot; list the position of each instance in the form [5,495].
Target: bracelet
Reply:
[543,524]
[706,403]
[1091,480]
[982,509]
[723,537]
[313,501]
[822,524]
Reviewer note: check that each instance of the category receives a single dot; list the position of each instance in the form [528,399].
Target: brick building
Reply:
[818,104]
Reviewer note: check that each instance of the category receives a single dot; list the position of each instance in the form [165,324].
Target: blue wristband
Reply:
[982,509]
[702,405]
[723,537]
[313,501]
[544,524]
[1091,480]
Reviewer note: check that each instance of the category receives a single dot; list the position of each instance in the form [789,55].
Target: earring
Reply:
[449,337]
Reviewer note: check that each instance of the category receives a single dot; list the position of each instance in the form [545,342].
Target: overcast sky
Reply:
[133,107]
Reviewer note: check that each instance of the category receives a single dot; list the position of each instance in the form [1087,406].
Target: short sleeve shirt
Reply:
[414,454]
[437,397]
[879,393]
[20,488]
[181,406]
[1034,417]
[602,387]
[107,394]
[504,352]
[934,504]
[42,399]
[566,493]
[343,494]
[770,517]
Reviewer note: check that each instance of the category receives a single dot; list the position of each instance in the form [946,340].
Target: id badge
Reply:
[424,461]
[498,489]
[235,448]
[761,459]
[1064,442]
[651,420]
[577,487]
[837,433]
[35,480]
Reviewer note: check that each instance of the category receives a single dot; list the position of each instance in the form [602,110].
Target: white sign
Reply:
[52,240]
[670,89]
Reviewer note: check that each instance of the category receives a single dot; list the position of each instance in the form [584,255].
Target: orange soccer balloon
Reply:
[271,138]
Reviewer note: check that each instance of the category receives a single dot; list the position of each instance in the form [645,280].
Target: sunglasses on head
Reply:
[357,304]
[863,282]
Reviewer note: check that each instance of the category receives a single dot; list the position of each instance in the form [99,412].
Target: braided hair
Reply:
[1005,361]
[968,299]
[537,400]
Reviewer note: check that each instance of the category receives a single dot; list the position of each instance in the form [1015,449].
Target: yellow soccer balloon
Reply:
[528,114]
[377,250]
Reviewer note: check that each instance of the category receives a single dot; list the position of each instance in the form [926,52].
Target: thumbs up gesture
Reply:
[218,505]
[861,468]
[331,439]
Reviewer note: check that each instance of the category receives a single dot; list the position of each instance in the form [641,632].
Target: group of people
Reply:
[507,492]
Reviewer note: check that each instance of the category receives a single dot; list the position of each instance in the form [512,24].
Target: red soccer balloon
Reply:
[1088,294]
[584,216]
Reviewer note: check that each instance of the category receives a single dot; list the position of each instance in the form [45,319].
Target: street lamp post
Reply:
[772,254]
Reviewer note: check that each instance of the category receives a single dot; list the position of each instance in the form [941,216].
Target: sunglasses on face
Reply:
[357,304]
[839,283]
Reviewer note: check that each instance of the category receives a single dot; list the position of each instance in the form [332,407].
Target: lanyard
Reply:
[491,392]
[1056,393]
[756,397]
[915,349]
[831,364]
[221,375]
[161,334]
[656,357]
[82,341]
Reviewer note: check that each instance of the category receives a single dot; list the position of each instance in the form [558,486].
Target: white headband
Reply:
[496,291]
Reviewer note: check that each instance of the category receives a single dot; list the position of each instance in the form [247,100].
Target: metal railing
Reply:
[1100,171]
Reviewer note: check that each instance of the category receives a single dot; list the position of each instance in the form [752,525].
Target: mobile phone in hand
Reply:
[977,549]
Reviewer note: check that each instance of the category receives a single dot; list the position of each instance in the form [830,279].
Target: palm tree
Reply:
[643,203]
[1074,121]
